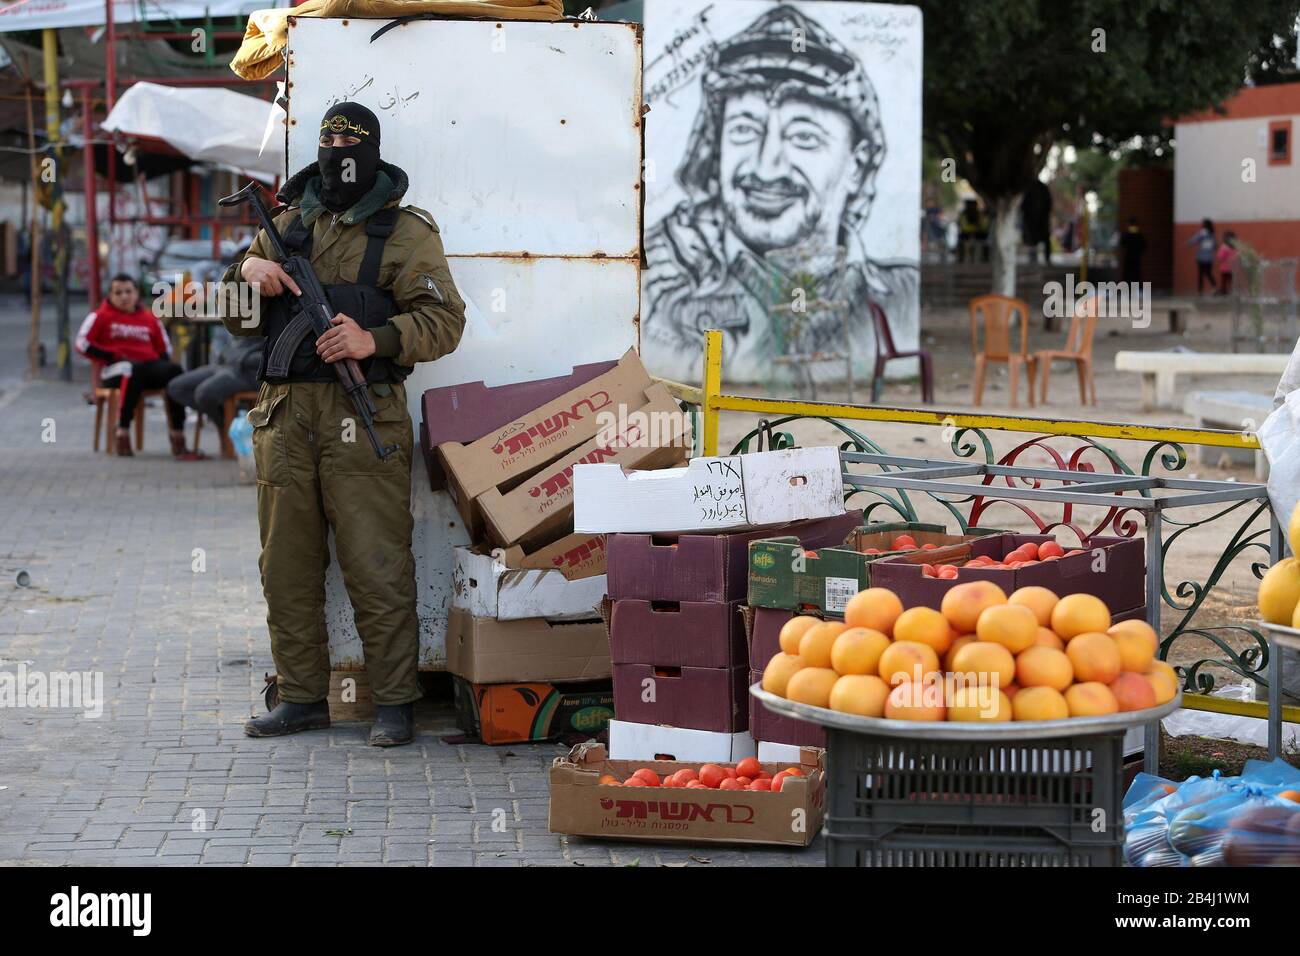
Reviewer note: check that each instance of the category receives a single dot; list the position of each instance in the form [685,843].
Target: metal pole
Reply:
[1155,581]
[712,388]
[1276,547]
[110,56]
[34,343]
[92,219]
[50,47]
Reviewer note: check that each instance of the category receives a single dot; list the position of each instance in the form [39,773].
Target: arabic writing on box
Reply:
[721,499]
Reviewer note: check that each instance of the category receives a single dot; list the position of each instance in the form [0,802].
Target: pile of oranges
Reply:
[982,656]
[746,775]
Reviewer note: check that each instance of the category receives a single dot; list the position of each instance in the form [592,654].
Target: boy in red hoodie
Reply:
[133,346]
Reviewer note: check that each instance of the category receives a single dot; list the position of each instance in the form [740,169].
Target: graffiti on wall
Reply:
[774,128]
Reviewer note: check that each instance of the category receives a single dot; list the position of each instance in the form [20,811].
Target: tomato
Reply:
[685,776]
[929,547]
[763,775]
[711,775]
[647,776]
[749,767]
[743,781]
[761,784]
[730,772]
[609,780]
[729,784]
[794,771]
[778,780]
[928,571]
[902,542]
[696,785]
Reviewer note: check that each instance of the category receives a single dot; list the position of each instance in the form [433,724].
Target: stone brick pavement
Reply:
[165,776]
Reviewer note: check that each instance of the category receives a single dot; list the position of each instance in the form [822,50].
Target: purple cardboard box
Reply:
[763,633]
[466,412]
[704,567]
[698,698]
[680,634]
[778,728]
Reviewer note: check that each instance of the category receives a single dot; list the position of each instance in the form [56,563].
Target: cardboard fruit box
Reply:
[766,726]
[631,741]
[582,806]
[508,453]
[540,509]
[783,574]
[466,412]
[736,492]
[686,633]
[485,587]
[576,556]
[487,651]
[699,698]
[523,712]
[703,567]
[1113,569]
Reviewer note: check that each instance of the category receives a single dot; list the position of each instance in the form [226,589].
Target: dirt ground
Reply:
[1191,557]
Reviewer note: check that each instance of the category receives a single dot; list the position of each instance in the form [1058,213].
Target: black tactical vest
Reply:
[363,300]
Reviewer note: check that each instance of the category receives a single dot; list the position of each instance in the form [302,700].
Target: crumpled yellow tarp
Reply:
[268,30]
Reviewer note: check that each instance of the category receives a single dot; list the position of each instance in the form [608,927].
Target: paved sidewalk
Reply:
[165,775]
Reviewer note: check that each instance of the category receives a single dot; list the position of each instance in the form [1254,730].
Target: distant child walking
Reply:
[1226,260]
[1205,247]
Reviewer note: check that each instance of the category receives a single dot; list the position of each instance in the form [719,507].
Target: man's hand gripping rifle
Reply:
[315,317]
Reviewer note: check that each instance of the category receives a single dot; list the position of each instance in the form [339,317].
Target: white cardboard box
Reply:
[710,494]
[483,586]
[769,752]
[629,741]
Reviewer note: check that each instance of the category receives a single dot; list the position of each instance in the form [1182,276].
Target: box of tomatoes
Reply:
[668,800]
[783,574]
[1113,569]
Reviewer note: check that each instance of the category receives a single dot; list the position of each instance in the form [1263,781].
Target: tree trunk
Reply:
[1004,242]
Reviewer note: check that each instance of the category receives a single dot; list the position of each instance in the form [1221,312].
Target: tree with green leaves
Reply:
[1006,79]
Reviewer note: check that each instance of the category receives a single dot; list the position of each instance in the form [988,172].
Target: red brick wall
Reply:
[1148,194]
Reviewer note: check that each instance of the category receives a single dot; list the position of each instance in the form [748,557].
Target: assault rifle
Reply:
[315,317]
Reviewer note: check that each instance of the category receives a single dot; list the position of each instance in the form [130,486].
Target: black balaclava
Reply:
[343,183]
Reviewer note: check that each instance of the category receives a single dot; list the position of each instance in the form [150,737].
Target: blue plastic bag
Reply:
[241,434]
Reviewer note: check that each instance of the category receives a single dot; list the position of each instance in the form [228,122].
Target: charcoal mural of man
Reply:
[783,153]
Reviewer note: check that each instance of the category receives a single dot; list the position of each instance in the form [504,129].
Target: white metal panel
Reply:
[518,137]
[524,142]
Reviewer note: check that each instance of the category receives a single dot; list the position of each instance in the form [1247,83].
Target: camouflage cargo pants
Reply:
[316,471]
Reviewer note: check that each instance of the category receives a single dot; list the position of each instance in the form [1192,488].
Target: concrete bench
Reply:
[1235,411]
[1176,309]
[1160,370]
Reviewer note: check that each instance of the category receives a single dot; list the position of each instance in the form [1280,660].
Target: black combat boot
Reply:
[290,718]
[394,725]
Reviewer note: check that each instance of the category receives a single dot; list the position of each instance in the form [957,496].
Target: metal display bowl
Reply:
[1285,636]
[961,730]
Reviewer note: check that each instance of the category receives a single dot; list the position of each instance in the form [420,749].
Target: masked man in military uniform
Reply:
[383,267]
[783,154]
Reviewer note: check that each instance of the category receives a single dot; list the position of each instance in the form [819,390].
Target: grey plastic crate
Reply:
[903,801]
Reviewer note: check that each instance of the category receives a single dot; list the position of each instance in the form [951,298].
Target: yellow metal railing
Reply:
[712,402]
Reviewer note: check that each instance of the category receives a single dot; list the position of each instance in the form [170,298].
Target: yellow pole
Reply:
[1084,229]
[712,389]
[50,48]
